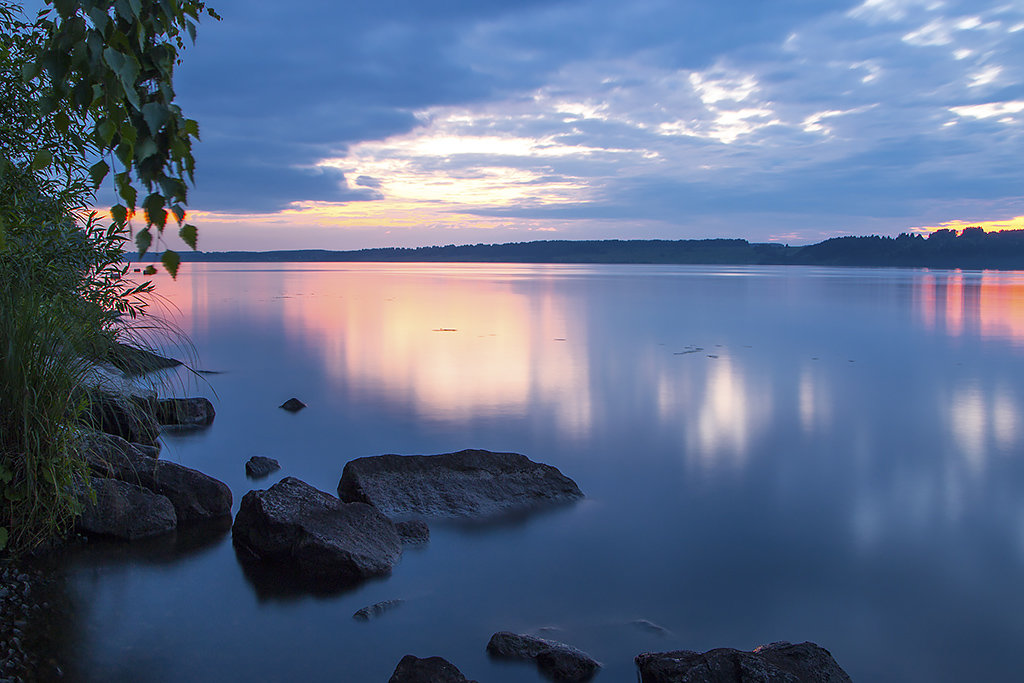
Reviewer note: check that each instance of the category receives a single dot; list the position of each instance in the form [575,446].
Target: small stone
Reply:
[427,670]
[259,466]
[293,405]
[377,609]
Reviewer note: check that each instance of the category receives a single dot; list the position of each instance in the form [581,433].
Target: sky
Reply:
[345,125]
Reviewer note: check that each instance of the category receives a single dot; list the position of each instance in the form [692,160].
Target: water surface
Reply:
[768,454]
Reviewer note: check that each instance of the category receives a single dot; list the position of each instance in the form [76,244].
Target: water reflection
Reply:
[989,304]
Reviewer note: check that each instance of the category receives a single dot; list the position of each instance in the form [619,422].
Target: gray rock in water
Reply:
[185,412]
[557,660]
[375,610]
[413,532]
[428,670]
[470,483]
[314,533]
[293,405]
[776,663]
[195,496]
[124,510]
[259,466]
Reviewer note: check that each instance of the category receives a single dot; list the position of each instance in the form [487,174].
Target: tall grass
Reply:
[41,372]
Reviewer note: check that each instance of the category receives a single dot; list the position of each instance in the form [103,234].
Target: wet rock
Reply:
[195,496]
[124,510]
[556,660]
[293,405]
[471,483]
[128,417]
[427,670]
[135,361]
[259,466]
[413,532]
[314,533]
[775,663]
[185,412]
[375,610]
[650,627]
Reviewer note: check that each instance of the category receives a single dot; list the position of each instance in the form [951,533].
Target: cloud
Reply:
[676,114]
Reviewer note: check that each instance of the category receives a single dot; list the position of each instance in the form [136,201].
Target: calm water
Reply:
[768,454]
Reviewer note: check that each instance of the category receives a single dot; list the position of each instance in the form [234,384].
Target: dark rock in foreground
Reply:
[557,660]
[428,670]
[259,466]
[125,416]
[375,610]
[314,533]
[776,663]
[125,511]
[470,483]
[293,405]
[186,412]
[413,532]
[195,496]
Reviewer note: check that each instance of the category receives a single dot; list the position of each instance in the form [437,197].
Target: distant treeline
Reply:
[972,249]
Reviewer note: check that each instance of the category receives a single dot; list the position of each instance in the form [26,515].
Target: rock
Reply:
[776,663]
[195,496]
[186,412]
[375,610]
[125,416]
[314,533]
[293,405]
[135,361]
[124,511]
[650,627]
[557,660]
[259,466]
[470,483]
[428,670]
[413,532]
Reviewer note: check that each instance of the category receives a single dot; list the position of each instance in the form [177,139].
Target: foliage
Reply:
[84,80]
[111,62]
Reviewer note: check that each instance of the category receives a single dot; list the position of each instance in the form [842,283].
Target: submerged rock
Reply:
[775,663]
[557,660]
[124,510]
[314,533]
[427,670]
[259,466]
[470,483]
[185,412]
[375,610]
[413,532]
[293,405]
[195,496]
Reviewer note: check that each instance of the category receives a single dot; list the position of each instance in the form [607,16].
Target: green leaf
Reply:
[189,233]
[146,149]
[150,270]
[98,172]
[105,130]
[179,213]
[154,206]
[42,159]
[156,115]
[192,128]
[3,537]
[30,71]
[123,181]
[143,238]
[171,260]
[119,213]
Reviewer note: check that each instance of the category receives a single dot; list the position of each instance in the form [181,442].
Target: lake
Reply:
[767,453]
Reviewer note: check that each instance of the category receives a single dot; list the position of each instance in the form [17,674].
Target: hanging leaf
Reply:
[190,235]
[150,270]
[143,238]
[119,213]
[156,115]
[98,172]
[171,261]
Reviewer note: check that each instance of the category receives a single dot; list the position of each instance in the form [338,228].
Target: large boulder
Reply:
[124,510]
[185,412]
[558,661]
[412,669]
[314,533]
[470,483]
[195,496]
[775,663]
